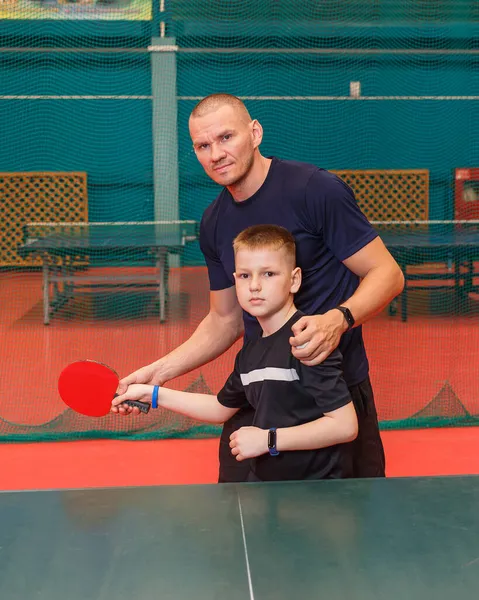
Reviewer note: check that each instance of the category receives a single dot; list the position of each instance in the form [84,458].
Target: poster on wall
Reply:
[120,10]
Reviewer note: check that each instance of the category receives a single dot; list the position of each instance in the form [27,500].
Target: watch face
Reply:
[272,442]
[271,439]
[347,315]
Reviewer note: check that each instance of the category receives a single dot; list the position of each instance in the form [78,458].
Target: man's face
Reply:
[264,280]
[224,143]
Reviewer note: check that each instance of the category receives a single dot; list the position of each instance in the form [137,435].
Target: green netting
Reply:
[94,104]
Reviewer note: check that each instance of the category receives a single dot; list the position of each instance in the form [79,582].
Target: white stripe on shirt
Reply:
[269,374]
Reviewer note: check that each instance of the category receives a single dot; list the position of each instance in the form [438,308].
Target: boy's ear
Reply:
[296,278]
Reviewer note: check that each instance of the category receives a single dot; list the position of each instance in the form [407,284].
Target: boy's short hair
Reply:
[273,237]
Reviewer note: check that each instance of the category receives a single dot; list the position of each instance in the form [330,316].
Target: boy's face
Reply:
[265,280]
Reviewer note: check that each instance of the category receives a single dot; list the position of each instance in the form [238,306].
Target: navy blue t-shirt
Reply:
[321,212]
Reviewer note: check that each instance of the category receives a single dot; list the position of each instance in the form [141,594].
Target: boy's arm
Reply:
[325,382]
[336,427]
[202,407]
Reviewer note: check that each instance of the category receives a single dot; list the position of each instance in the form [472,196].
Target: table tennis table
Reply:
[453,243]
[65,249]
[385,539]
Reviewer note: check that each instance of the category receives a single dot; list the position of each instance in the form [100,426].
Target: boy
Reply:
[304,416]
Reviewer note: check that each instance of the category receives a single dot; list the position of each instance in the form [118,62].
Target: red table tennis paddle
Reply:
[88,387]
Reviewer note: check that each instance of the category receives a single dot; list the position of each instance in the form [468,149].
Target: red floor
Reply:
[122,463]
[429,363]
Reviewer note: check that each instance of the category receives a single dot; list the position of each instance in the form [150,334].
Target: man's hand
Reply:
[249,442]
[148,375]
[316,336]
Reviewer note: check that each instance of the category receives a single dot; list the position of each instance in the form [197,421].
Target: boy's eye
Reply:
[269,273]
[243,275]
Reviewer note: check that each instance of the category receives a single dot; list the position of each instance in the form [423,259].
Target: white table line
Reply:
[248,570]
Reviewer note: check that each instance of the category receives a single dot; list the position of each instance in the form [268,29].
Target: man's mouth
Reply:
[221,167]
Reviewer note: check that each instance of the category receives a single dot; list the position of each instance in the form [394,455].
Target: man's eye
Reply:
[227,136]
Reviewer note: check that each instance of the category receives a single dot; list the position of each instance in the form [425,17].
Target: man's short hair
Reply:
[273,237]
[214,101]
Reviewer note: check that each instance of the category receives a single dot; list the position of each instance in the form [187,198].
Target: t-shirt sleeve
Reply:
[335,214]
[325,382]
[218,278]
[232,395]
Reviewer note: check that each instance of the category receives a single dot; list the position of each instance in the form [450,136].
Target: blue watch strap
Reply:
[154,397]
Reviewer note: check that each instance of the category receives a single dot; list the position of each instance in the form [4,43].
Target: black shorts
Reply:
[232,470]
[368,451]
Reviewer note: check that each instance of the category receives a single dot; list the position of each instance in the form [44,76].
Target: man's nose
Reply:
[217,153]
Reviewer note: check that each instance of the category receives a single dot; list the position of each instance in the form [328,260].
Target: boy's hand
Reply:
[148,375]
[249,442]
[135,391]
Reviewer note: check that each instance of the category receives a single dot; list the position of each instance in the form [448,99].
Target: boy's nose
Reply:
[254,284]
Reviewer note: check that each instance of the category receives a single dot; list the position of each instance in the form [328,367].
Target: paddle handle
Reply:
[143,406]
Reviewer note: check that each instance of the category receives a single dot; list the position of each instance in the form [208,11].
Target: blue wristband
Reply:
[154,397]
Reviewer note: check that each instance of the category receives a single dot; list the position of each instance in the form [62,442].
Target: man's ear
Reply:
[257,132]
[296,279]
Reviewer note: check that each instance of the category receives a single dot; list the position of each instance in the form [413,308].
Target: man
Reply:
[348,274]
[303,415]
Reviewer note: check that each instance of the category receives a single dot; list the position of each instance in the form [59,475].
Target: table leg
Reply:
[46,290]
[469,277]
[162,270]
[404,297]
[457,278]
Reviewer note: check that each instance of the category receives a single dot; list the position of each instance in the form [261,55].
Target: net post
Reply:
[165,136]
[164,128]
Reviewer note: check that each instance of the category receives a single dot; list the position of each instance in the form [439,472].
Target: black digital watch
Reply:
[347,315]
[272,442]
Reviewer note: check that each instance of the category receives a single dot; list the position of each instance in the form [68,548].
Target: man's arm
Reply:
[217,332]
[221,327]
[382,280]
[202,407]
[336,427]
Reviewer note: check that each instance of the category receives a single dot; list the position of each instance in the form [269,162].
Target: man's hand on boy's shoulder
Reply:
[316,336]
[249,442]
